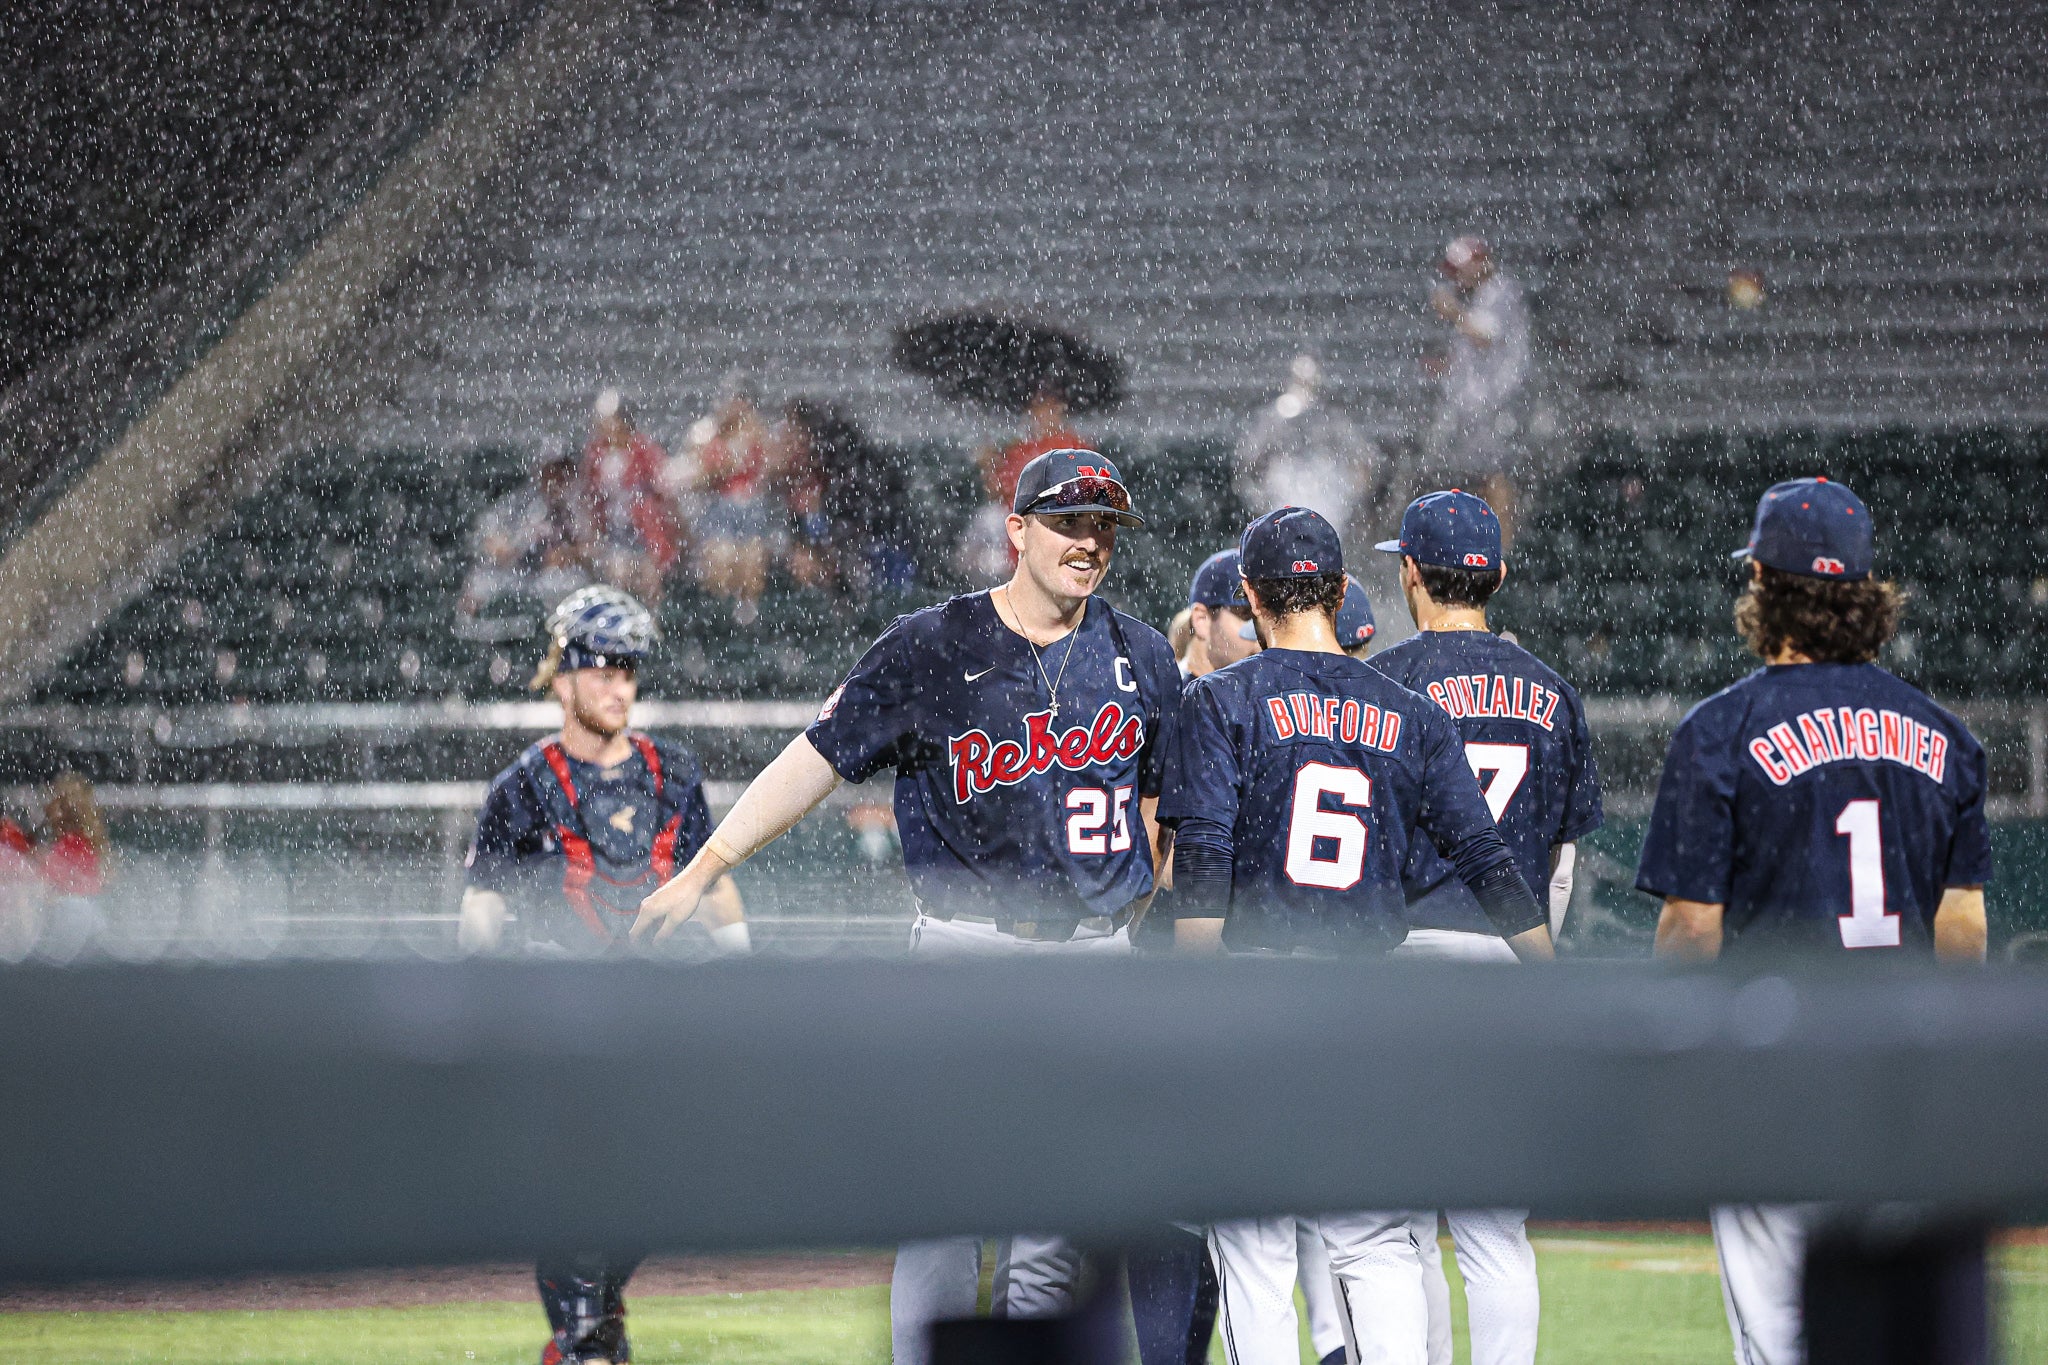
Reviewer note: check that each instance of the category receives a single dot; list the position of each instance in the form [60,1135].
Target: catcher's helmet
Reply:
[598,627]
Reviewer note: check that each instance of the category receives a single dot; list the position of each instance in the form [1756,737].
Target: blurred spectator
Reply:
[74,868]
[633,538]
[859,530]
[738,528]
[985,553]
[1305,451]
[530,552]
[1048,431]
[21,888]
[1476,439]
[800,467]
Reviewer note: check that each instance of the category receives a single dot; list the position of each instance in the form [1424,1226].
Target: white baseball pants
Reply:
[1318,1289]
[1762,1249]
[1502,1303]
[1378,1273]
[1036,1275]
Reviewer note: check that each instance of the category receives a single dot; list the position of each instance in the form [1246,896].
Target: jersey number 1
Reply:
[1867,925]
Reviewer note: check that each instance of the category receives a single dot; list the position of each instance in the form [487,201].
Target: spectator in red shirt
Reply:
[632,524]
[1049,431]
[74,870]
[20,890]
[985,553]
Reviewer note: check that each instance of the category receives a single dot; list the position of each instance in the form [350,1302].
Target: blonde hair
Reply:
[71,809]
[545,674]
[1180,632]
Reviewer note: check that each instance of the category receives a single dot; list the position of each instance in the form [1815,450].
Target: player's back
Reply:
[1525,737]
[1825,806]
[1317,764]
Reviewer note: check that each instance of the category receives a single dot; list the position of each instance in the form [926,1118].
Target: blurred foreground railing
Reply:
[196,1119]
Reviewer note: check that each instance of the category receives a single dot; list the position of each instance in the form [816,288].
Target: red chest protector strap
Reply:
[579,861]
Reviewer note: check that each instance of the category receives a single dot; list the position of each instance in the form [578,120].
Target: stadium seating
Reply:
[338,581]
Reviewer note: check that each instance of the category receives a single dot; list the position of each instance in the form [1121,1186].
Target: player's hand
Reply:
[670,906]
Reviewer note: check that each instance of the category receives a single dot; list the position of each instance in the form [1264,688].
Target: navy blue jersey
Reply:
[574,847]
[1005,804]
[1319,770]
[1824,806]
[1525,737]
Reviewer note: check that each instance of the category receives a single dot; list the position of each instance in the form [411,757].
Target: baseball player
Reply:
[571,836]
[1524,735]
[1355,626]
[1819,806]
[1298,783]
[1218,616]
[1027,727]
[1172,1282]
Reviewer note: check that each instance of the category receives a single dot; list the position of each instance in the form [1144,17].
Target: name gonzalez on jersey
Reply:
[1466,696]
[1848,734]
[981,764]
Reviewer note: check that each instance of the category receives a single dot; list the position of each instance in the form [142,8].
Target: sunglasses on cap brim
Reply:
[1092,494]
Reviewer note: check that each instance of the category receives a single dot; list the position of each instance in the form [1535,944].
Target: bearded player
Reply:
[1299,783]
[1026,726]
[1525,737]
[570,838]
[1821,806]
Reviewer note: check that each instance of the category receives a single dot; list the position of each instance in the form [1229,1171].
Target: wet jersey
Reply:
[1526,741]
[1825,806]
[1008,802]
[574,847]
[1324,775]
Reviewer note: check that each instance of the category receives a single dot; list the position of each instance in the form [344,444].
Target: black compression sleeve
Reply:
[1486,866]
[1201,879]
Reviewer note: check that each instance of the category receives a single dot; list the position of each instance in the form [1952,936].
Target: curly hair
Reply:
[1827,621]
[1290,596]
[1448,586]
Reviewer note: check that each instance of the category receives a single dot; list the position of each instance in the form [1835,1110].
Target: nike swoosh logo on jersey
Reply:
[984,673]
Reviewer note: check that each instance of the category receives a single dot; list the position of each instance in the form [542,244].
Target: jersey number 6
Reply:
[1339,832]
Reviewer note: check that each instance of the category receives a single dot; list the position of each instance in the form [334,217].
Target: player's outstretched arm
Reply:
[1689,931]
[1960,929]
[784,792]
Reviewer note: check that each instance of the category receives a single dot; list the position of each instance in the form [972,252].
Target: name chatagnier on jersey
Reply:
[1823,806]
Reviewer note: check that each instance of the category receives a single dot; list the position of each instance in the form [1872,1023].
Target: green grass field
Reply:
[1607,1296]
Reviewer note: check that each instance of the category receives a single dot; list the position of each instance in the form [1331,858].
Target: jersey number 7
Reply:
[1509,764]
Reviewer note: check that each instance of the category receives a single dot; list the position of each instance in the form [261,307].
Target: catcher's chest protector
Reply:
[618,838]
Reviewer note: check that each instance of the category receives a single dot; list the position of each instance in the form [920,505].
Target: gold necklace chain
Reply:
[1052,685]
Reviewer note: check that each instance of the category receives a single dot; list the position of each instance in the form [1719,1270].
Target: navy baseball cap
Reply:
[1354,619]
[1449,528]
[1289,542]
[1062,481]
[1812,527]
[1217,583]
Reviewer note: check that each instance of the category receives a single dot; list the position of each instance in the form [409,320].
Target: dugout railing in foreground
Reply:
[207,1119]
